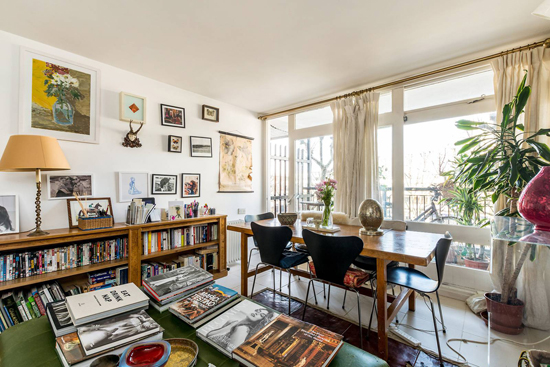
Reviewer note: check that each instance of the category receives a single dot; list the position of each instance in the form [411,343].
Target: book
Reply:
[59,318]
[117,330]
[287,341]
[96,305]
[165,304]
[11,308]
[236,325]
[202,303]
[70,351]
[177,281]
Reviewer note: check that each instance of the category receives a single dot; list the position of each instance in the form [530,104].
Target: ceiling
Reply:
[265,55]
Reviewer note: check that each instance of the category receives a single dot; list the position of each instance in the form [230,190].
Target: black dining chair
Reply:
[272,243]
[422,284]
[331,259]
[255,218]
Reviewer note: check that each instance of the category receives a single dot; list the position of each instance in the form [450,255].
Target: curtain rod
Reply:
[545,43]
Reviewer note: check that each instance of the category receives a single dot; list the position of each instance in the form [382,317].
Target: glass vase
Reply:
[326,219]
[63,112]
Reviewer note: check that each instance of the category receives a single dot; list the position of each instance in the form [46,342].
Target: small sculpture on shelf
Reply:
[131,140]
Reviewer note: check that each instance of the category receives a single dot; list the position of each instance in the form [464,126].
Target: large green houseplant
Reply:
[502,159]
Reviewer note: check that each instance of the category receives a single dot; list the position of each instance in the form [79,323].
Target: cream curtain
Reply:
[355,128]
[509,71]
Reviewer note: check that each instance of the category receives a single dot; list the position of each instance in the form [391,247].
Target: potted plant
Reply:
[503,158]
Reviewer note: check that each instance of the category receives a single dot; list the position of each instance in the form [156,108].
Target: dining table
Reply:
[408,247]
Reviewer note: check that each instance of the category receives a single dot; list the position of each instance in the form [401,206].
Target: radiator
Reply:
[234,243]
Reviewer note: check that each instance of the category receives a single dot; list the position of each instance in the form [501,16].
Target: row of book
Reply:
[139,211]
[30,263]
[206,259]
[155,241]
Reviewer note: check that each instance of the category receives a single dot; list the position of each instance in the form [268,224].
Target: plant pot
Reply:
[476,264]
[509,317]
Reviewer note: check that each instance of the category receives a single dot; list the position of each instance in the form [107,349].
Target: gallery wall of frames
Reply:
[125,136]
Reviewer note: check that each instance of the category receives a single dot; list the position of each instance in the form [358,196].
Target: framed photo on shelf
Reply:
[132,185]
[9,214]
[133,108]
[175,143]
[64,186]
[190,185]
[172,116]
[210,113]
[164,184]
[201,146]
[74,209]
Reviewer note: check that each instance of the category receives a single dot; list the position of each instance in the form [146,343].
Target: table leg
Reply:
[244,264]
[412,297]
[383,323]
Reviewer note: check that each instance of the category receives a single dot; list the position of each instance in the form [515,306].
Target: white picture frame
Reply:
[126,114]
[26,106]
[129,189]
[63,186]
[9,211]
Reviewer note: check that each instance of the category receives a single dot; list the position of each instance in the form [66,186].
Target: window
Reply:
[321,116]
[385,169]
[384,103]
[278,165]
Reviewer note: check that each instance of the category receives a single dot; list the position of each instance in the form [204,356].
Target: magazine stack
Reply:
[170,287]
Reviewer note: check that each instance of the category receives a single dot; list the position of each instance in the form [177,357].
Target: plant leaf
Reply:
[469,146]
[463,141]
[542,149]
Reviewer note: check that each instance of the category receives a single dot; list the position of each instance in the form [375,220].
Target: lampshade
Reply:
[30,152]
[543,10]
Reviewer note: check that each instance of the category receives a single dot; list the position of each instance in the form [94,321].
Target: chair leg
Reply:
[344,301]
[393,294]
[440,312]
[250,256]
[280,280]
[324,291]
[314,292]
[436,333]
[289,299]
[307,296]
[373,307]
[328,299]
[359,315]
[274,285]
[254,282]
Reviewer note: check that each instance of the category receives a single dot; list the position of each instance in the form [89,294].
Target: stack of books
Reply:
[167,288]
[139,211]
[91,324]
[101,280]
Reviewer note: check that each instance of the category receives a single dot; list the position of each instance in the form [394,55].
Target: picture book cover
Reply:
[287,341]
[59,317]
[199,304]
[235,326]
[176,281]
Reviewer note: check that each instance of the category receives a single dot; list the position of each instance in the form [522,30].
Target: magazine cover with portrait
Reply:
[176,281]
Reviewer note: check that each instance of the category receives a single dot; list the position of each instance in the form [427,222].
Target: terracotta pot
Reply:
[534,201]
[476,264]
[509,316]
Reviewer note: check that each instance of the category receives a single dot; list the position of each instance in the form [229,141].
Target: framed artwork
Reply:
[64,186]
[133,108]
[175,143]
[201,147]
[58,98]
[164,184]
[74,209]
[190,185]
[9,214]
[210,113]
[172,116]
[235,163]
[132,185]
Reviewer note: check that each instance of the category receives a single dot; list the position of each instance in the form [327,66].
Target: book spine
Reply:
[39,303]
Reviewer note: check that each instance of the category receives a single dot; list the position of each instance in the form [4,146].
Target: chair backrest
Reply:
[332,255]
[271,242]
[441,252]
[257,217]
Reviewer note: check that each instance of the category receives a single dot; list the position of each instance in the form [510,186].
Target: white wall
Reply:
[109,156]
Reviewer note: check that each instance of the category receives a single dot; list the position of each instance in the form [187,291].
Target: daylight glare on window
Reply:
[321,116]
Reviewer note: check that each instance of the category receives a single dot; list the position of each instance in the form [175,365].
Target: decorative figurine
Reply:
[131,140]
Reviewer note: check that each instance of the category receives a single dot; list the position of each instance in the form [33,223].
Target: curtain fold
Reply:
[508,74]
[355,128]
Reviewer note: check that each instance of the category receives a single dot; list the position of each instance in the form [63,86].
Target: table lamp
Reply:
[27,153]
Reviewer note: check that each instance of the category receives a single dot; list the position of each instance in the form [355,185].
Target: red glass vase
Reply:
[534,201]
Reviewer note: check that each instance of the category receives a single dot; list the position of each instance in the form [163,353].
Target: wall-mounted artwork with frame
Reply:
[201,146]
[64,186]
[175,143]
[164,184]
[74,209]
[132,185]
[190,185]
[58,98]
[210,113]
[172,116]
[133,108]
[9,214]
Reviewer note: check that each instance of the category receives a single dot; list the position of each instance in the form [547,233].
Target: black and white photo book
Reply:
[59,318]
[169,284]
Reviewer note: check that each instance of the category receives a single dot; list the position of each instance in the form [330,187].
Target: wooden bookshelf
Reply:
[62,237]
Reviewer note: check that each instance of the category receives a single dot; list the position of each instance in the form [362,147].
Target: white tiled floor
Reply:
[461,323]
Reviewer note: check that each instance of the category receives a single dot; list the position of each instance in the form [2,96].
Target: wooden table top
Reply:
[417,248]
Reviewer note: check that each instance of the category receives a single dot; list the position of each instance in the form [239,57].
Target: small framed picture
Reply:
[190,185]
[132,185]
[74,209]
[64,186]
[172,116]
[210,113]
[164,184]
[9,214]
[201,146]
[133,108]
[174,143]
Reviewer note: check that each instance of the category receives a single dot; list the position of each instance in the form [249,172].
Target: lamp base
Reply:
[368,232]
[38,232]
